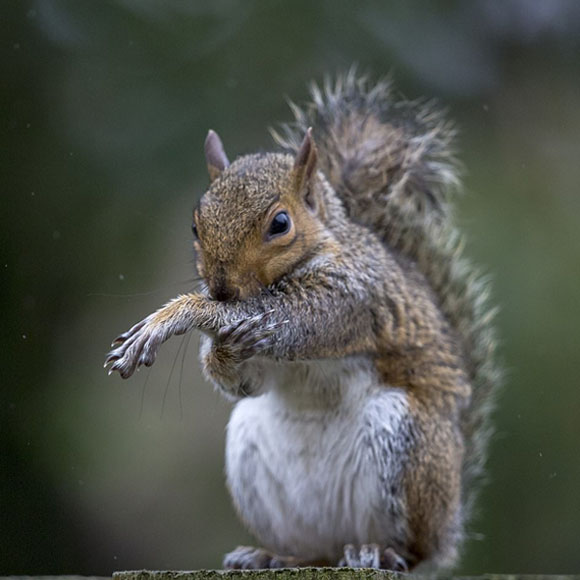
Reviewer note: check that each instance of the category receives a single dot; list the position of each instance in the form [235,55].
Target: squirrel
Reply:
[340,316]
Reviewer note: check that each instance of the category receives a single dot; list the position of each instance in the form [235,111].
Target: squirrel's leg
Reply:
[305,324]
[140,344]
[319,316]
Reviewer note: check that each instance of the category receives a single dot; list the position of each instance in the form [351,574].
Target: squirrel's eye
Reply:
[194,230]
[280,224]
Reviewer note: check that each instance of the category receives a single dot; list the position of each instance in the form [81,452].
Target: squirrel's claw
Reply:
[129,333]
[111,357]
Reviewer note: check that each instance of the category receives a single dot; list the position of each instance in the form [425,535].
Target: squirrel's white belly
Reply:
[310,464]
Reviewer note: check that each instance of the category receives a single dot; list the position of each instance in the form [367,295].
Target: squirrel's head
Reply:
[259,219]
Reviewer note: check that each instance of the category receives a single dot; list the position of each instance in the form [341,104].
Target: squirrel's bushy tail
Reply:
[392,163]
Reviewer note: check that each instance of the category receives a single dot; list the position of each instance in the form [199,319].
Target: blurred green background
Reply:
[105,106]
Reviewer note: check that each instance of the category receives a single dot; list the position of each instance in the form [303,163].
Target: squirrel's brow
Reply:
[274,202]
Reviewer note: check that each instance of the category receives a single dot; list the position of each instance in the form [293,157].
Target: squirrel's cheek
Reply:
[199,268]
[276,267]
[198,260]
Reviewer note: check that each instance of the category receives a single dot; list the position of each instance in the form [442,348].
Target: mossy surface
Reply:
[278,574]
[312,574]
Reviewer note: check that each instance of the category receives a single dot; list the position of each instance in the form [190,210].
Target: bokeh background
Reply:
[105,106]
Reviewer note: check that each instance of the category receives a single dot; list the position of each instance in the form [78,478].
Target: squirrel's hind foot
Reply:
[371,556]
[249,558]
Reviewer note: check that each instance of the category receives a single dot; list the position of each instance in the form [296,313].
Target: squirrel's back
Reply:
[392,164]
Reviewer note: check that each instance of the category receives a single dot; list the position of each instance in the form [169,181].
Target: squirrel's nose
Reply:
[222,293]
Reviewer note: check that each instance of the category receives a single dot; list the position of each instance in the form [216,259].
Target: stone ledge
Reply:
[274,574]
[290,574]
[313,574]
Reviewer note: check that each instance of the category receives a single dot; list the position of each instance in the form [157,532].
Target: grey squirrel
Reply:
[356,341]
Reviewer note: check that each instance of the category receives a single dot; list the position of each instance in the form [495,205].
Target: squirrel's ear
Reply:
[304,166]
[305,161]
[215,156]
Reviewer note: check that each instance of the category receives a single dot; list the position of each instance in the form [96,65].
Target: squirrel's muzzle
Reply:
[232,280]
[219,287]
[220,290]
[222,293]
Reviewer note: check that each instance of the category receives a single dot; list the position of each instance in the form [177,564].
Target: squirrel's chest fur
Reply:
[309,461]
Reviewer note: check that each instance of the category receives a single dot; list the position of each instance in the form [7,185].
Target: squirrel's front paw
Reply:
[246,338]
[231,347]
[139,345]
